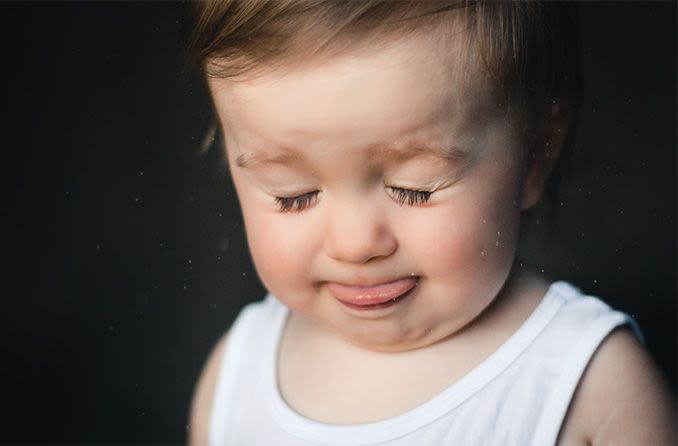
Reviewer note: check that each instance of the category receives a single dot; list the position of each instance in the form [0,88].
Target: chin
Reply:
[387,341]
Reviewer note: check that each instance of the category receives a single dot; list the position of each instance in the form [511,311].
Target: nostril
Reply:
[357,230]
[360,246]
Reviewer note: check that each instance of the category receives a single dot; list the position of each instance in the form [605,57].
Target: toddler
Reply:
[383,153]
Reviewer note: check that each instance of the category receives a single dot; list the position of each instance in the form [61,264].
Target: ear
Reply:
[542,157]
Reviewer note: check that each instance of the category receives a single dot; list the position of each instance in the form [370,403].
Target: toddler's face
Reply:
[372,176]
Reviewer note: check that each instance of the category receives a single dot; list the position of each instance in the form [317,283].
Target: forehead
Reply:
[422,86]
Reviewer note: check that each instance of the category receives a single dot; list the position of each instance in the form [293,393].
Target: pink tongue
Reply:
[372,295]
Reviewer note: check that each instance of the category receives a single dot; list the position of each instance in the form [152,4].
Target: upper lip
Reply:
[366,283]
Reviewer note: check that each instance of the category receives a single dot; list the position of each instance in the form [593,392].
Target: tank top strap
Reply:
[603,321]
[249,337]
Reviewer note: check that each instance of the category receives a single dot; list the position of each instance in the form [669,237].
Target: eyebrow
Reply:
[249,160]
[452,153]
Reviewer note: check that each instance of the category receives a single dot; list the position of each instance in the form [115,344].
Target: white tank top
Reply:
[517,396]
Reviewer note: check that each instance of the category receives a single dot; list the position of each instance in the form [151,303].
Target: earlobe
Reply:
[542,157]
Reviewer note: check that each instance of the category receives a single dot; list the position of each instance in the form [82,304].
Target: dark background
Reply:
[125,257]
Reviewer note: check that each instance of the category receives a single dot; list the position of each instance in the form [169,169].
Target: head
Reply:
[388,144]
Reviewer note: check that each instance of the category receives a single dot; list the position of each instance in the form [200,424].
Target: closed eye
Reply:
[411,197]
[402,196]
[297,203]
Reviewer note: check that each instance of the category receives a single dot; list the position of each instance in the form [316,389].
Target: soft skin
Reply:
[331,127]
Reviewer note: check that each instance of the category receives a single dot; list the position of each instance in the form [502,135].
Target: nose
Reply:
[358,232]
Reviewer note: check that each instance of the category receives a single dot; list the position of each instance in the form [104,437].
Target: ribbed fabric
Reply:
[518,396]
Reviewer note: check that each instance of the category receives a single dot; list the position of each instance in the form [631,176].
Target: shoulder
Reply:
[201,405]
[245,326]
[622,398]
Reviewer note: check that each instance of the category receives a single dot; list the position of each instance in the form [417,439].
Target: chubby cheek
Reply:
[281,253]
[467,246]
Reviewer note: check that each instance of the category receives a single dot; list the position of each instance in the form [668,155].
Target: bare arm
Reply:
[201,405]
[623,399]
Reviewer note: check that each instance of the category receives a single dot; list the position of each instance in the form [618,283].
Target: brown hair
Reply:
[529,49]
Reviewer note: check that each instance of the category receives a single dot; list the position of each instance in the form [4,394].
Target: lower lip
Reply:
[374,298]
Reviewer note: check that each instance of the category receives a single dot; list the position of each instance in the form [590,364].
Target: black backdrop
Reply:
[125,258]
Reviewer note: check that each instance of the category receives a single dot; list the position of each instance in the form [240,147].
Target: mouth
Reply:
[373,297]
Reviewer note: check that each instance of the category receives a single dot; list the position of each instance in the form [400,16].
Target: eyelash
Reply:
[403,196]
[298,203]
[410,196]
